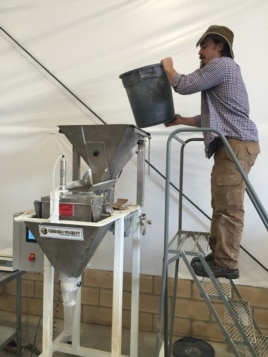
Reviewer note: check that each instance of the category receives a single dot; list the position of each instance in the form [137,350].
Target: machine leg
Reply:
[48,309]
[118,288]
[134,328]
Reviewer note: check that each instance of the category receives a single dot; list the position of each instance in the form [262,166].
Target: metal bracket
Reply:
[143,223]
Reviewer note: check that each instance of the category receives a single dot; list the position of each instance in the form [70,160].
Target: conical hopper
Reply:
[68,256]
[105,148]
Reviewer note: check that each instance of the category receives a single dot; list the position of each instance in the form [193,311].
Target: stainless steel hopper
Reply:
[68,257]
[106,149]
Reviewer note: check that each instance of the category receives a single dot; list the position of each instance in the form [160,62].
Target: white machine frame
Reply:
[49,345]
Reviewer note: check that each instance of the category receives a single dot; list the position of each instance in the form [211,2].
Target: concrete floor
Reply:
[92,336]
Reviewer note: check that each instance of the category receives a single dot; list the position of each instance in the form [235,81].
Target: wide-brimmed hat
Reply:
[219,31]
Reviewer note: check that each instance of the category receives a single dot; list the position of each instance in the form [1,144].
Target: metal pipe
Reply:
[140,173]
[62,173]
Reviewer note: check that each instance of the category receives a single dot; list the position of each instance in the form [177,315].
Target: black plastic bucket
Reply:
[190,346]
[149,94]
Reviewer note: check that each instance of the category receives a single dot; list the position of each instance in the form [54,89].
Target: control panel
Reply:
[27,254]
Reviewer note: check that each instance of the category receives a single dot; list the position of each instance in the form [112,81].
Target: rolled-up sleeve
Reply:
[197,120]
[210,75]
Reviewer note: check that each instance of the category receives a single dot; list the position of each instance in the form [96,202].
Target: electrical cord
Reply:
[30,347]
[54,171]
[34,349]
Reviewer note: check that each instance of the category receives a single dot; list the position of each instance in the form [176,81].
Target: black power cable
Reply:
[52,75]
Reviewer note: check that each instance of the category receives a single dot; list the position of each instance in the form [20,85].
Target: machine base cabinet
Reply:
[62,343]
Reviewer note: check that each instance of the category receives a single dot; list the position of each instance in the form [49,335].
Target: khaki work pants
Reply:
[227,201]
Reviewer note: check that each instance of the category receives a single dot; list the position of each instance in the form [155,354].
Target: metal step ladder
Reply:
[237,325]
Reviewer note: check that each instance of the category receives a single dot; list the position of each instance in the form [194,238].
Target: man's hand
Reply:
[179,120]
[176,121]
[167,64]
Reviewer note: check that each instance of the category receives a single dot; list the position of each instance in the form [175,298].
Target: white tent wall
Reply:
[87,45]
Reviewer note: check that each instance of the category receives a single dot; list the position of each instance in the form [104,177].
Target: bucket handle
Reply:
[147,72]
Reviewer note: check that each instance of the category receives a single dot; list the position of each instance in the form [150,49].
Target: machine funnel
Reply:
[69,241]
[105,148]
[68,256]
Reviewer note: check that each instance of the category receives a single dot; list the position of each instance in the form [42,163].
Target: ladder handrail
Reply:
[249,188]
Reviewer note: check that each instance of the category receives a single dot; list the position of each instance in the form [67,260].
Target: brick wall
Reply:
[192,316]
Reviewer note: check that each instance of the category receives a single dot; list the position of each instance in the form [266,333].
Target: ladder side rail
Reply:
[173,305]
[181,187]
[209,304]
[163,310]
[163,313]
[168,336]
[181,195]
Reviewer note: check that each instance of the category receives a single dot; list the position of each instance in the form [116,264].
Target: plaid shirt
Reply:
[224,100]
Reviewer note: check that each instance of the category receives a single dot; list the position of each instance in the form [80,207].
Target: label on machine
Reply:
[59,232]
[66,210]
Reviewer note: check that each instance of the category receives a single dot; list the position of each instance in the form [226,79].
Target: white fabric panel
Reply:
[87,45]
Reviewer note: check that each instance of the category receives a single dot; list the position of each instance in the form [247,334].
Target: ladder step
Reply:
[261,346]
[242,313]
[211,290]
[191,242]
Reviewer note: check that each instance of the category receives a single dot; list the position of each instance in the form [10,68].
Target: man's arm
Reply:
[167,64]
[179,120]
